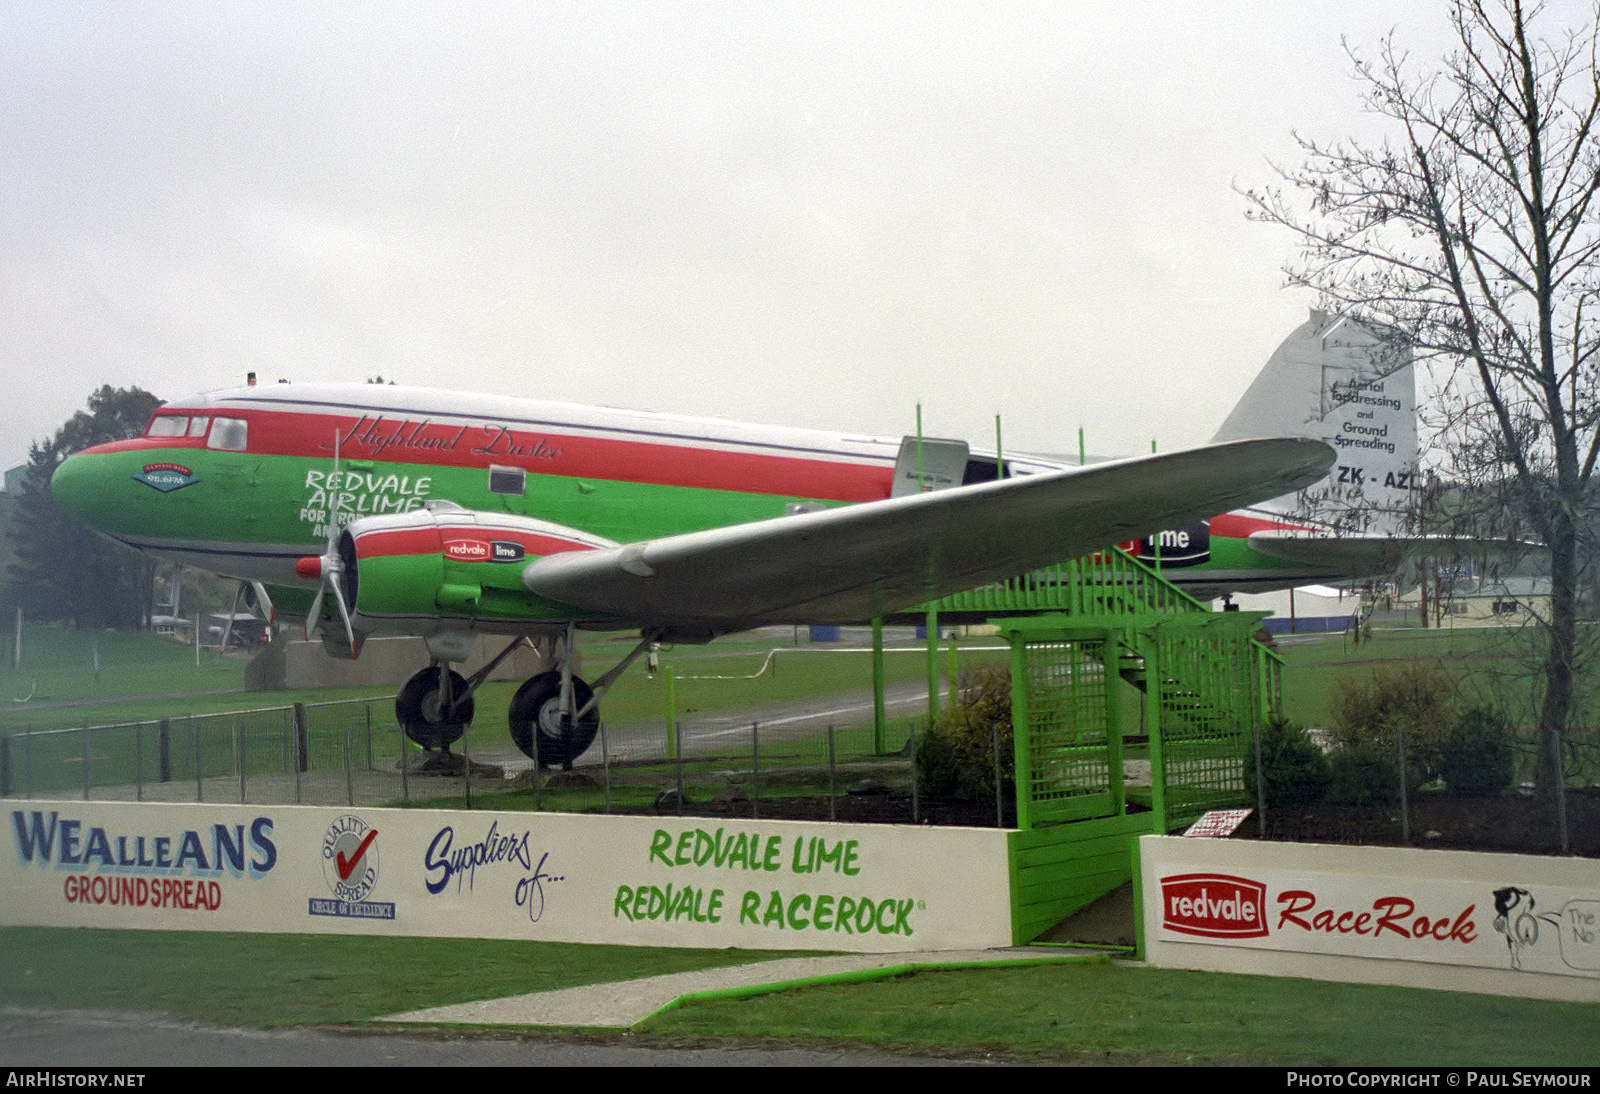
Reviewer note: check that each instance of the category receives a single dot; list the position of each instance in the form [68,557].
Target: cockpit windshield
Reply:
[229,434]
[168,425]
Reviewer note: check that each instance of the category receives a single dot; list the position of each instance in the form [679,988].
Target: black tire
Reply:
[417,708]
[537,706]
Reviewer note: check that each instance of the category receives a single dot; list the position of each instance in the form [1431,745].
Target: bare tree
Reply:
[1471,229]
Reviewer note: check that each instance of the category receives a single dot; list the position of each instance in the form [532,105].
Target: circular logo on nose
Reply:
[166,477]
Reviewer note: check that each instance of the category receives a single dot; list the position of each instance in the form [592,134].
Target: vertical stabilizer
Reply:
[1350,385]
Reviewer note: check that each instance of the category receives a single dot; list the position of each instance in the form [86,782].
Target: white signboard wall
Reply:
[558,877]
[1506,924]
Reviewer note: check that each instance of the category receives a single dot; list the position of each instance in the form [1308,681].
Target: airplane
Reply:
[376,509]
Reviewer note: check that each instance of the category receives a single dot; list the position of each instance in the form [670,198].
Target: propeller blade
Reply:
[314,616]
[264,602]
[331,565]
[329,556]
[334,579]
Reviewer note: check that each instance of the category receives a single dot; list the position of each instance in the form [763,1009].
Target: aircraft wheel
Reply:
[537,706]
[418,709]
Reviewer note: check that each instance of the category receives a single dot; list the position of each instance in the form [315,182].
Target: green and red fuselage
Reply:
[247,482]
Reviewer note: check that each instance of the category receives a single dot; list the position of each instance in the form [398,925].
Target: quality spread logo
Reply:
[1214,906]
[350,867]
[166,477]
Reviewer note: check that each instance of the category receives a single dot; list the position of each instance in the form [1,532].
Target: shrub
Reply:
[1417,698]
[1364,774]
[955,758]
[1479,758]
[1294,771]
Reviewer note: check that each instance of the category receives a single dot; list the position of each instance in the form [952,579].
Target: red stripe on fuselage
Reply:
[430,541]
[720,466]
[1240,525]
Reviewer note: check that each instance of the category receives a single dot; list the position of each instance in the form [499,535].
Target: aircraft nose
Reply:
[70,486]
[79,488]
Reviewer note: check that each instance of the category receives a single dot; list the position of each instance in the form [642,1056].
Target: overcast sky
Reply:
[803,213]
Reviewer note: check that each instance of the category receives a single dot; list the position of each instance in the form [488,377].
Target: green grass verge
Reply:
[285,980]
[1118,1013]
[1064,1012]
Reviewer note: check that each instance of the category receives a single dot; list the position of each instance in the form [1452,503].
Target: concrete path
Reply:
[625,1003]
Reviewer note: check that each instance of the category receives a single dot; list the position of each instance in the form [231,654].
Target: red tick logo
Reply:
[346,865]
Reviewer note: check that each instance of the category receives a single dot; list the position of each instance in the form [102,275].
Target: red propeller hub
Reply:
[310,566]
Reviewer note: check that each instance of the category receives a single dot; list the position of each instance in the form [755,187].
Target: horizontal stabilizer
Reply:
[1372,556]
[849,564]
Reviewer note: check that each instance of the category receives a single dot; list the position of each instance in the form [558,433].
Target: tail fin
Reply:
[1350,385]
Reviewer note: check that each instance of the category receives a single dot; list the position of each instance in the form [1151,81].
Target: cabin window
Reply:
[197,426]
[982,469]
[168,425]
[229,434]
[507,480]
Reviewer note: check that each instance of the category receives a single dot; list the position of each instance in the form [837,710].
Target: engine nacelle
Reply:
[452,564]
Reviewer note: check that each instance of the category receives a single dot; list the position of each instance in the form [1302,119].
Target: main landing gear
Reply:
[435,707]
[554,716]
[546,729]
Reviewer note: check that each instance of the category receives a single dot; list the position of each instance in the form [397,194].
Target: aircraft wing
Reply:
[849,564]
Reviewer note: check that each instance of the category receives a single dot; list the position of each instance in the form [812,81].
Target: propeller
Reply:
[254,595]
[328,568]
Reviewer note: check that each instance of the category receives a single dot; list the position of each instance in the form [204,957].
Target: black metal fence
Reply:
[354,752]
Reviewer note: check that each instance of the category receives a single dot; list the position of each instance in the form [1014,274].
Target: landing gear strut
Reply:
[435,706]
[555,716]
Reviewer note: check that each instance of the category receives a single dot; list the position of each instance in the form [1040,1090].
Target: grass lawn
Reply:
[1495,666]
[287,980]
[58,665]
[1121,1012]
[730,675]
[1063,1012]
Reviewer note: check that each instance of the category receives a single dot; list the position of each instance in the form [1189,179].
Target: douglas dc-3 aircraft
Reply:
[390,510]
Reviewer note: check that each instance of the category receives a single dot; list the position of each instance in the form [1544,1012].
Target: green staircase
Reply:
[1204,686]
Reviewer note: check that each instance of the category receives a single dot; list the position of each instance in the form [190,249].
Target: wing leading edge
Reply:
[849,564]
